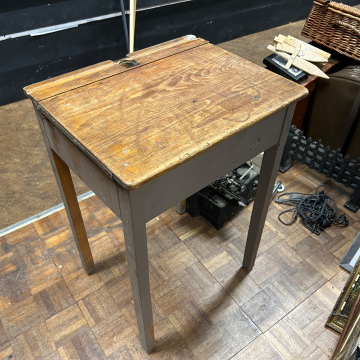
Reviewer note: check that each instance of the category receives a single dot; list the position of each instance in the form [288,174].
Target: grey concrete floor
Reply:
[27,182]
[253,47]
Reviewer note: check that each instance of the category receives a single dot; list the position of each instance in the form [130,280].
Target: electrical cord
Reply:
[317,211]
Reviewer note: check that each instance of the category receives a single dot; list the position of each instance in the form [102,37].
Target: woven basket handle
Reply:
[348,26]
[326,5]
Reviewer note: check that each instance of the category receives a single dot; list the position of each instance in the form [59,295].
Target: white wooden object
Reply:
[303,54]
[292,41]
[300,63]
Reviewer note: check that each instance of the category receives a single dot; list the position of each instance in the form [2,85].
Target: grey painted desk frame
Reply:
[137,207]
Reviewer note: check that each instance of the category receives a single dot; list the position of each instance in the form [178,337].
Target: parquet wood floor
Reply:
[205,305]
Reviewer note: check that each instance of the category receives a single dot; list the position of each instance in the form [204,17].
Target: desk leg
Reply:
[134,225]
[68,195]
[181,207]
[269,169]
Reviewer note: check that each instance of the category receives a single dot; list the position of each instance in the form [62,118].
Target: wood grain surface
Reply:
[89,74]
[152,118]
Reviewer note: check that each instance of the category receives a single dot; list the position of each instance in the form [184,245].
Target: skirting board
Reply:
[41,215]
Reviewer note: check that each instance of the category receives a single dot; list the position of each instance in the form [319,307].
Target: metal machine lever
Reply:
[279,187]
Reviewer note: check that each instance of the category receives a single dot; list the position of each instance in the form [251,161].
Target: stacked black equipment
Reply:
[225,197]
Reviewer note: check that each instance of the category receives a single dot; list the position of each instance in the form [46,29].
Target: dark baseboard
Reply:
[28,59]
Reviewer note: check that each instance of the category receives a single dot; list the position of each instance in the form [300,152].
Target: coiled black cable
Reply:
[317,211]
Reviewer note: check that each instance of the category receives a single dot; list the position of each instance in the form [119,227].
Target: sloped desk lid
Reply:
[183,97]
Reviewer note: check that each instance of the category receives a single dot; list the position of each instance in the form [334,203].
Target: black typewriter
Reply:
[226,196]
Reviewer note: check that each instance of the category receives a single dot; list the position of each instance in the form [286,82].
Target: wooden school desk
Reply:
[146,134]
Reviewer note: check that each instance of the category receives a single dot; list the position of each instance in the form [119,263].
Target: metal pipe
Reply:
[124,24]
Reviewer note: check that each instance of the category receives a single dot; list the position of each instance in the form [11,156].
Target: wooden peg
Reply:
[292,58]
[304,54]
[280,38]
[300,63]
[290,40]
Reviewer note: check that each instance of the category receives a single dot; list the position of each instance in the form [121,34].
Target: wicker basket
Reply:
[336,26]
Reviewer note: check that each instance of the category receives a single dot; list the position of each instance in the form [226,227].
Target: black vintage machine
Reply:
[226,196]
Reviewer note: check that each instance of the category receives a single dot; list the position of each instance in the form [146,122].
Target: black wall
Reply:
[22,15]
[28,59]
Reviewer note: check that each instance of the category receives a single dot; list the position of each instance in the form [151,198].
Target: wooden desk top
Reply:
[184,97]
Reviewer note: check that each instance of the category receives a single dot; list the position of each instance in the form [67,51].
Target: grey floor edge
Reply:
[43,214]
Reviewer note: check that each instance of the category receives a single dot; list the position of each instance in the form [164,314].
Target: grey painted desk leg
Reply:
[269,169]
[134,225]
[68,195]
[181,207]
